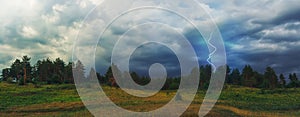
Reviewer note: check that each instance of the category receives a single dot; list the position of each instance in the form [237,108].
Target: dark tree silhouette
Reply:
[78,70]
[5,74]
[270,78]
[56,72]
[236,77]
[282,81]
[247,76]
[294,82]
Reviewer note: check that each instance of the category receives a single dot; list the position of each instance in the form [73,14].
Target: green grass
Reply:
[12,95]
[261,100]
[63,100]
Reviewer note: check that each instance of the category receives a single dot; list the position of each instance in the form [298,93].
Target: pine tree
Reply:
[259,79]
[68,74]
[282,81]
[236,77]
[27,69]
[5,74]
[247,76]
[228,79]
[16,69]
[293,81]
[79,72]
[59,66]
[270,78]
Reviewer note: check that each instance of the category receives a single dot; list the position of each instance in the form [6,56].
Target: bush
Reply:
[174,86]
[55,79]
[21,81]
[37,85]
[9,80]
[294,84]
[34,81]
[206,85]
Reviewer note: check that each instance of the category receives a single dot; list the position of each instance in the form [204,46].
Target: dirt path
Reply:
[247,113]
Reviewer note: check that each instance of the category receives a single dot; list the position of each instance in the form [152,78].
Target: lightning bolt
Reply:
[213,52]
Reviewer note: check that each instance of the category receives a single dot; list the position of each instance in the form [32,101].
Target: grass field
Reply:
[63,100]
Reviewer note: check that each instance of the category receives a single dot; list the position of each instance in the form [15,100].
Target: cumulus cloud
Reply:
[39,29]
[29,32]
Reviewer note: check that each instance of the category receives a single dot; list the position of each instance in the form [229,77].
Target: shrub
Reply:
[21,81]
[55,79]
[174,86]
[9,80]
[37,85]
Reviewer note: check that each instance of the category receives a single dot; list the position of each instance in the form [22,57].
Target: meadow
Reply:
[63,100]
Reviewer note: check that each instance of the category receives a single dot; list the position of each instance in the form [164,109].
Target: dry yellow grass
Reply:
[49,109]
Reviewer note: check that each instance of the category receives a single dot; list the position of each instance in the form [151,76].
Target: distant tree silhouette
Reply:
[78,70]
[228,79]
[108,75]
[135,77]
[27,69]
[16,68]
[282,82]
[294,82]
[270,78]
[5,74]
[57,72]
[68,74]
[59,69]
[236,77]
[205,74]
[259,78]
[247,76]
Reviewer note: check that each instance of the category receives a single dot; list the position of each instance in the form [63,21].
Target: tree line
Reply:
[44,71]
[268,80]
[247,77]
[57,71]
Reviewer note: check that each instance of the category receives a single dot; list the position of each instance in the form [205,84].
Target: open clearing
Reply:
[63,100]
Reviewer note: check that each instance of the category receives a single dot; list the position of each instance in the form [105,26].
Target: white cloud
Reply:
[50,18]
[52,27]
[258,45]
[29,32]
[59,8]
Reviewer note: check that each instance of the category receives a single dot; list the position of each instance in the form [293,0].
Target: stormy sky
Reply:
[256,32]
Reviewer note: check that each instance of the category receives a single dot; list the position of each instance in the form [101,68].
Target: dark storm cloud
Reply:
[267,38]
[148,54]
[199,45]
[284,62]
[289,15]
[152,53]
[293,26]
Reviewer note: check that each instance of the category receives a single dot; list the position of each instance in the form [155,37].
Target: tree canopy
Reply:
[57,71]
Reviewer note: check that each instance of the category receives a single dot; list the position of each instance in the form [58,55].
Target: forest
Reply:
[57,71]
